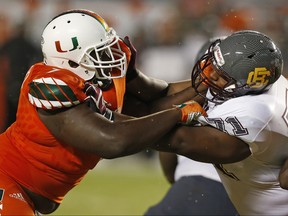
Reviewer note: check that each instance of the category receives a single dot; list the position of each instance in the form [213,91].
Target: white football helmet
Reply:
[82,42]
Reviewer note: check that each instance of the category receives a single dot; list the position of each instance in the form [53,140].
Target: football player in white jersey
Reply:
[196,188]
[246,131]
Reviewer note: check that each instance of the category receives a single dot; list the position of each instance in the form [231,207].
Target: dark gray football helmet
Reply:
[249,61]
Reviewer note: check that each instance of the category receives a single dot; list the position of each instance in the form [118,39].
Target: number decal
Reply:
[238,128]
[218,122]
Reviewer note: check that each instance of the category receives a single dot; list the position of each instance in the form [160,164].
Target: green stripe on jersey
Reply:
[51,92]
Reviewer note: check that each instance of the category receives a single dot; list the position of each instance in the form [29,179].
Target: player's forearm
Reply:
[177,98]
[175,87]
[135,135]
[177,93]
[89,131]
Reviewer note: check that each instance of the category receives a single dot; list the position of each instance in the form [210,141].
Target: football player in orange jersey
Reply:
[69,109]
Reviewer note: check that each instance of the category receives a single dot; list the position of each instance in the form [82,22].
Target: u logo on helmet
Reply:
[74,43]
[258,77]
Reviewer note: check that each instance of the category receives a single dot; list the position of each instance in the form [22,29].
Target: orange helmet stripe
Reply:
[97,17]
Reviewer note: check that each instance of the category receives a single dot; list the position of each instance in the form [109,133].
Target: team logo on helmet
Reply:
[74,43]
[258,78]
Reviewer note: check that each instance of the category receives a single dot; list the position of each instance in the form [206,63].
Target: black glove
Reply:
[96,102]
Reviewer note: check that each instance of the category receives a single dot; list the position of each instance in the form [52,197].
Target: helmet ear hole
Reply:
[73,64]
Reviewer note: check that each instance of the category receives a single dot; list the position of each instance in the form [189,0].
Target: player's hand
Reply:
[133,51]
[95,100]
[131,71]
[191,111]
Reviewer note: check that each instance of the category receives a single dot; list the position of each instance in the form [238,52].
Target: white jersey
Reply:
[188,167]
[262,122]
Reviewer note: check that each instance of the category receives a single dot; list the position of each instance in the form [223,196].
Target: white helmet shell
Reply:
[76,40]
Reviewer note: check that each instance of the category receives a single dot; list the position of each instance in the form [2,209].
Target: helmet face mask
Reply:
[104,58]
[201,74]
[82,42]
[248,61]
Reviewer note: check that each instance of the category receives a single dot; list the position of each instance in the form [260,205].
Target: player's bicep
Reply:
[78,126]
[176,87]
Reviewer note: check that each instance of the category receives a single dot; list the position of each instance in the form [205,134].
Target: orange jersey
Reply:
[29,153]
[13,199]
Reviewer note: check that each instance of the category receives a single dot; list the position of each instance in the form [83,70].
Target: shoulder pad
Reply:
[51,93]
